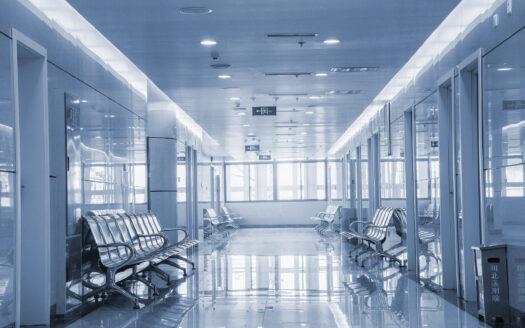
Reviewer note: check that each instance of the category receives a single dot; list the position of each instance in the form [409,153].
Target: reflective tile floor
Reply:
[288,277]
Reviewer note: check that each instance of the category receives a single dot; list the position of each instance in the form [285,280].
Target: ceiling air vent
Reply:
[220,66]
[195,10]
[287,94]
[354,69]
[296,74]
[291,35]
[344,92]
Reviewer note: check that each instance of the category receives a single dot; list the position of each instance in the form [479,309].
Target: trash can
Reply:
[492,284]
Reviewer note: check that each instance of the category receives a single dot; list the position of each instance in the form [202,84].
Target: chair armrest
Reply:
[129,247]
[356,222]
[178,229]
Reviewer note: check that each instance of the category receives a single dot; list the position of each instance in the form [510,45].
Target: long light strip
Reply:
[466,15]
[62,17]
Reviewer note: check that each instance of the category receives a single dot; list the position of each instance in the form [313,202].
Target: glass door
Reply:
[428,191]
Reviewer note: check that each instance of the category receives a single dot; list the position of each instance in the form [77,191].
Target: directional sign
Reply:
[252,148]
[265,157]
[264,111]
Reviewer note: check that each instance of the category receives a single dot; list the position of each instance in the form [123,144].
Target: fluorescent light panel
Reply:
[61,16]
[465,16]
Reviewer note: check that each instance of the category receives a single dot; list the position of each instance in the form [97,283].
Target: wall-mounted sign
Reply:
[513,104]
[265,157]
[252,148]
[181,158]
[264,111]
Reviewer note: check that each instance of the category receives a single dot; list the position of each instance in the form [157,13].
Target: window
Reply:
[289,181]
[261,182]
[336,179]
[237,183]
[301,180]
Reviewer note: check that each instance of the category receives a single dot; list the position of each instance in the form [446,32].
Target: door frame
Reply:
[448,220]
[20,39]
[473,216]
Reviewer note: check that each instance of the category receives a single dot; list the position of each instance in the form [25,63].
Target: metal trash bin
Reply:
[492,284]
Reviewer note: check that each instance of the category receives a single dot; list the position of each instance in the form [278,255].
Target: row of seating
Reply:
[219,225]
[326,220]
[126,246]
[373,235]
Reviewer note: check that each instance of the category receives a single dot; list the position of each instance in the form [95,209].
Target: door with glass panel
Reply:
[428,191]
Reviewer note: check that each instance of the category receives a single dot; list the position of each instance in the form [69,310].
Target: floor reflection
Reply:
[285,278]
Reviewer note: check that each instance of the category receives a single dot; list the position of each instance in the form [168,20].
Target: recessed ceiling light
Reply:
[315,97]
[195,10]
[241,114]
[224,76]
[304,133]
[321,74]
[235,98]
[246,125]
[504,69]
[331,41]
[208,42]
[309,113]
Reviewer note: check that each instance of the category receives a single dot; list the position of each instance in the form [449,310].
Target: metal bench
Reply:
[374,233]
[215,225]
[125,246]
[326,220]
[232,218]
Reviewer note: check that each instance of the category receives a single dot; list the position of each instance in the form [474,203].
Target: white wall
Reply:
[277,213]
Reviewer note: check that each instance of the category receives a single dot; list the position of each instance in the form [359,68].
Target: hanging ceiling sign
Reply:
[252,148]
[265,157]
[264,111]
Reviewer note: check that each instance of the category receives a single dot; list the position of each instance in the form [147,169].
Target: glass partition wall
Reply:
[7,186]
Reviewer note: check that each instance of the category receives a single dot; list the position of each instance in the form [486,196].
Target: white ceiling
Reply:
[166,46]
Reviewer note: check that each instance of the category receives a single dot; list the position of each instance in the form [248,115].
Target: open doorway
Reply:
[33,195]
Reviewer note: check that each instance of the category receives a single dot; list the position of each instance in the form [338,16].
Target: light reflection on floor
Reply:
[285,278]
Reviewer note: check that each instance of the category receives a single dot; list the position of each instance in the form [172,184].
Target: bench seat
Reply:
[128,244]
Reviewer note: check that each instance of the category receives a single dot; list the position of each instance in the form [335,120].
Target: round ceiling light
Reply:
[309,113]
[224,76]
[195,10]
[321,74]
[235,98]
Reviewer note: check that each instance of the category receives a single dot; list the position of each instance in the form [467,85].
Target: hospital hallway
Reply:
[285,277]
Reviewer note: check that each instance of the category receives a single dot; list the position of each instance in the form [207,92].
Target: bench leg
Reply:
[126,294]
[176,265]
[163,275]
[179,257]
[148,283]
